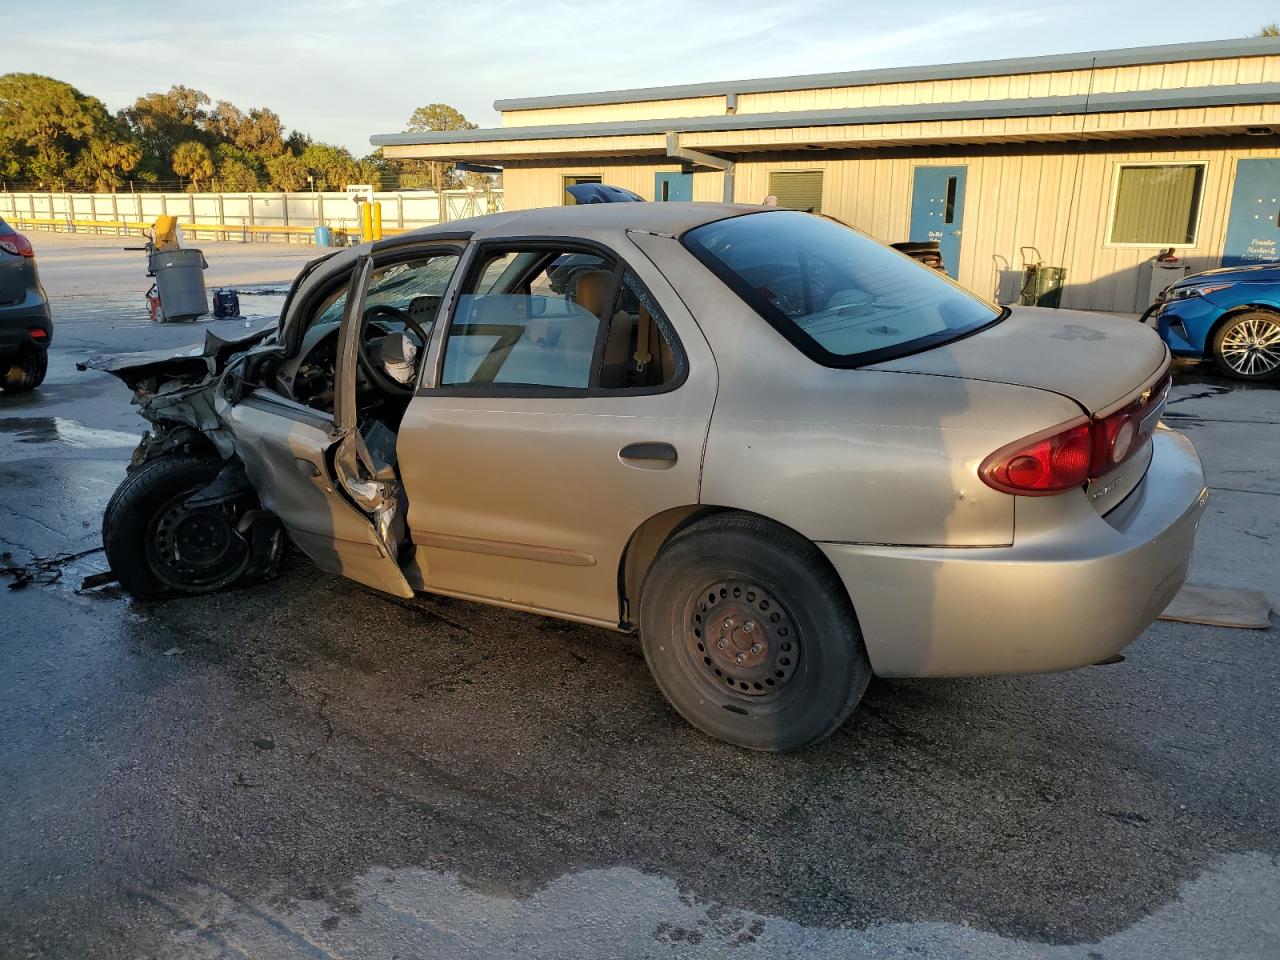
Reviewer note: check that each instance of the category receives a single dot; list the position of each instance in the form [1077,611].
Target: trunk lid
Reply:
[1095,360]
[1098,361]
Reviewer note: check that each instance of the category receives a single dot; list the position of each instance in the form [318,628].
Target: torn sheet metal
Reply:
[176,387]
[205,359]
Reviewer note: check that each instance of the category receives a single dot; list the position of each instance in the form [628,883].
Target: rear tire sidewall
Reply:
[127,522]
[832,672]
[26,371]
[1221,334]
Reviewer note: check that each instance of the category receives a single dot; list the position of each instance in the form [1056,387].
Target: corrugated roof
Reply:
[1225,95]
[1131,56]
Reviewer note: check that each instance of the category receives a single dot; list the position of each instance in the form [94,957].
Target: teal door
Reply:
[937,211]
[673,186]
[1253,230]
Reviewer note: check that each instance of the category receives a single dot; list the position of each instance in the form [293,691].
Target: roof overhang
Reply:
[1127,57]
[1200,111]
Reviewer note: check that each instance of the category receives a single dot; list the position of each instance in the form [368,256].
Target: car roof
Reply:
[672,217]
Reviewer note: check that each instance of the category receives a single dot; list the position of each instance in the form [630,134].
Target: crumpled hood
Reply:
[197,361]
[1093,359]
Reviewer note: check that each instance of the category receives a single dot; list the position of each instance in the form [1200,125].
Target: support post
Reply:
[677,152]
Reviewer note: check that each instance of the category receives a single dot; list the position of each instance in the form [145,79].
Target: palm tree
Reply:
[193,160]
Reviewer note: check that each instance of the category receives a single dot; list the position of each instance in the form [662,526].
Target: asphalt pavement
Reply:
[308,769]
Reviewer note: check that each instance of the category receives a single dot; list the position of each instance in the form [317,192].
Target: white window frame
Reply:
[1115,195]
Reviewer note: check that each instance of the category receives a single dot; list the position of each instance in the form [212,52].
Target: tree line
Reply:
[53,137]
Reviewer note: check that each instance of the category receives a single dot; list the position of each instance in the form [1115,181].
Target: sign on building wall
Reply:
[1253,230]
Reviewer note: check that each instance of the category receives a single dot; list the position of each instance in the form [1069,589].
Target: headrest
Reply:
[593,287]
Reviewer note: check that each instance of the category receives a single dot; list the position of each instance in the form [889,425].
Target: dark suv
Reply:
[26,325]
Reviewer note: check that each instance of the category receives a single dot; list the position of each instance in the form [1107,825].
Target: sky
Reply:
[341,70]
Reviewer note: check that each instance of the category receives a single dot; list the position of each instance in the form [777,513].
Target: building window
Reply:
[797,189]
[573,182]
[1157,204]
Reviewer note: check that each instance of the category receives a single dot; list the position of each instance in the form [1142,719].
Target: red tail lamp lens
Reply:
[1073,453]
[16,244]
[1119,435]
[1043,464]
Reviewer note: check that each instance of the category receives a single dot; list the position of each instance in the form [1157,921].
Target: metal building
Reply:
[1093,162]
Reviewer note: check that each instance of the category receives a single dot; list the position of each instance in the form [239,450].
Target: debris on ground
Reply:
[1221,607]
[95,580]
[41,570]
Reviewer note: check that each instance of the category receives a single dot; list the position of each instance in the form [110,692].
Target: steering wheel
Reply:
[374,370]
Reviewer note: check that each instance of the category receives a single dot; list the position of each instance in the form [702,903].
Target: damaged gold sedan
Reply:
[788,455]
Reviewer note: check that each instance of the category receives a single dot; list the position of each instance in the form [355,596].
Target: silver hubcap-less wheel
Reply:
[1252,347]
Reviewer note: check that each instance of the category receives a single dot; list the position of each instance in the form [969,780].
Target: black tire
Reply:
[26,371]
[145,516]
[751,583]
[1247,346]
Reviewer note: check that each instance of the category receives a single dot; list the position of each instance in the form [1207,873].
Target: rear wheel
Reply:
[26,371]
[157,545]
[1247,347]
[750,635]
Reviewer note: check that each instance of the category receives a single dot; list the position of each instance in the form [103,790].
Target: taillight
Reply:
[1119,435]
[16,244]
[1071,454]
[1048,462]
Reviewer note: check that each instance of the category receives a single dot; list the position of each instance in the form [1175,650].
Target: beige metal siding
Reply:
[1169,76]
[1055,197]
[648,110]
[540,185]
[1161,76]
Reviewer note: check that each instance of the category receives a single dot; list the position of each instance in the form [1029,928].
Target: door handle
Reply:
[654,455]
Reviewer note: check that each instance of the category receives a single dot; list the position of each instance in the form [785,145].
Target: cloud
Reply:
[341,70]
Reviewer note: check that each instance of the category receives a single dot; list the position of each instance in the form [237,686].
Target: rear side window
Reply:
[529,320]
[640,351]
[842,298]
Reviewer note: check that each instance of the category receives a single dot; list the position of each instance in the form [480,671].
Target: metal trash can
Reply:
[1163,273]
[1042,286]
[180,282]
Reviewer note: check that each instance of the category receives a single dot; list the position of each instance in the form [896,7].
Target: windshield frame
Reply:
[805,342]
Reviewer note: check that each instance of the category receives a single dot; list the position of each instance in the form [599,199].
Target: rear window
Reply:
[842,298]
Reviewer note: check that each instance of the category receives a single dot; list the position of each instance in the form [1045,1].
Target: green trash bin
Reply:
[1042,286]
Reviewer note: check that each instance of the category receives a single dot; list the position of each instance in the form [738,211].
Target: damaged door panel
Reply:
[316,473]
[312,472]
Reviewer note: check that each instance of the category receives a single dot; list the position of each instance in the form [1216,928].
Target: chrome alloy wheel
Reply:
[1251,348]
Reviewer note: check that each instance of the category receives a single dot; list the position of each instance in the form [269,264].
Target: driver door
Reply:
[314,470]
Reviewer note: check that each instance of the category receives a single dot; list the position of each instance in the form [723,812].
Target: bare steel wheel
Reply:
[743,638]
[157,545]
[750,635]
[1248,346]
[196,550]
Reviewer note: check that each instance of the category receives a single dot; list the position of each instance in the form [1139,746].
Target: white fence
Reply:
[241,216]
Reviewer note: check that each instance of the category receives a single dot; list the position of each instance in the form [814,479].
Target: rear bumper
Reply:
[17,320]
[1073,589]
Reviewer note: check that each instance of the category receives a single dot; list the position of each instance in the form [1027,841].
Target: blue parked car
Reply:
[1230,316]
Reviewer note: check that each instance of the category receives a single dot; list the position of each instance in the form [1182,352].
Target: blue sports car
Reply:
[1231,316]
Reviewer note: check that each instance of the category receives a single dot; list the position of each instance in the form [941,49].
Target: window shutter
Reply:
[797,189]
[1157,204]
